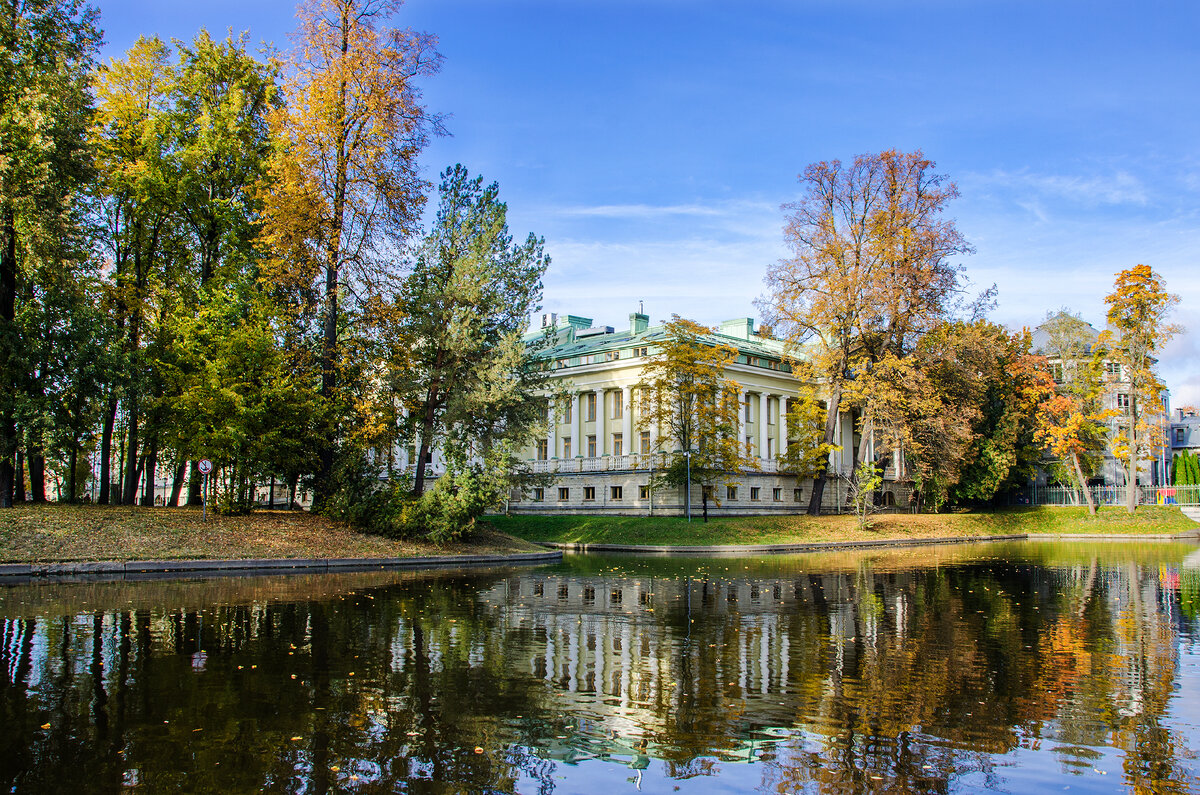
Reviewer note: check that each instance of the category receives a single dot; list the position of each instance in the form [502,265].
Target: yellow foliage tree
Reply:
[345,189]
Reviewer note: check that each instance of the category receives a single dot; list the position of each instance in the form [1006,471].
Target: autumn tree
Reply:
[47,49]
[870,271]
[1138,309]
[685,393]
[346,191]
[1071,420]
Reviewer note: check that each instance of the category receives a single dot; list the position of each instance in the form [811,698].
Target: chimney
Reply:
[638,323]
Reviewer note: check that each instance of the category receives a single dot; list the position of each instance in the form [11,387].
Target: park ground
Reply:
[60,533]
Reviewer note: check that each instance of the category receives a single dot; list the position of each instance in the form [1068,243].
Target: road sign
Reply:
[205,466]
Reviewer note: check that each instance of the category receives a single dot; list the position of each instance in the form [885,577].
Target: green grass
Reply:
[803,529]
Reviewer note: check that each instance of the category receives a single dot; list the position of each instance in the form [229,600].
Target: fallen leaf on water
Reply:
[479,749]
[45,725]
[297,737]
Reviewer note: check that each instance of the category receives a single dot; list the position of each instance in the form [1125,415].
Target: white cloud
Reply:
[1117,188]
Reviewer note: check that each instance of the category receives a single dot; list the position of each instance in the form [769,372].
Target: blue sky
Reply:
[652,142]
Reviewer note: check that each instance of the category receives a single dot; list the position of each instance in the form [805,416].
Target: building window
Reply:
[616,492]
[591,447]
[754,492]
[546,412]
[566,447]
[612,356]
[777,495]
[589,492]
[706,492]
[591,406]
[645,442]
[1113,369]
[1179,437]
[539,495]
[731,492]
[1057,371]
[568,412]
[643,492]
[797,495]
[642,351]
[618,408]
[749,442]
[543,449]
[564,493]
[770,448]
[1122,400]
[747,409]
[618,447]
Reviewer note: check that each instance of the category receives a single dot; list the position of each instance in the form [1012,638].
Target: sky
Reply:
[652,143]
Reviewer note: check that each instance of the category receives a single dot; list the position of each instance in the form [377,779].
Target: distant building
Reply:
[1151,471]
[1184,431]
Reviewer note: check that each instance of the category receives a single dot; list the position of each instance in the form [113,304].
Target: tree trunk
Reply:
[177,483]
[8,345]
[132,462]
[431,400]
[1087,493]
[831,418]
[151,471]
[19,490]
[72,461]
[195,484]
[1131,479]
[37,473]
[106,436]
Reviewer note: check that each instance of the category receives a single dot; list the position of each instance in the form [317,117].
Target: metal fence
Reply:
[1115,495]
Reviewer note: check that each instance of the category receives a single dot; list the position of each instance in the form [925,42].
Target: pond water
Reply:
[997,667]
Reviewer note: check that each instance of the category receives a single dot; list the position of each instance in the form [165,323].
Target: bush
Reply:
[444,513]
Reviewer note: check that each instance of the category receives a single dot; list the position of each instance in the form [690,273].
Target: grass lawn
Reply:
[54,532]
[805,529]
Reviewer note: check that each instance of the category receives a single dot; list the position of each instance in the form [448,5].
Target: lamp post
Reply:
[687,495]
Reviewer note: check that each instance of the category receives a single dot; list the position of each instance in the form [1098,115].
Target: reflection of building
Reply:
[599,454]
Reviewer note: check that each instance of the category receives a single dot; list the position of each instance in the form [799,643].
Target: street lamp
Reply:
[687,496]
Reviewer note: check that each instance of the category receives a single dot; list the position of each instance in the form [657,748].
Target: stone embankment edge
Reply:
[267,565]
[722,550]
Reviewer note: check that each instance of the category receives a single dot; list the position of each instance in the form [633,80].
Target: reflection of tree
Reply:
[874,678]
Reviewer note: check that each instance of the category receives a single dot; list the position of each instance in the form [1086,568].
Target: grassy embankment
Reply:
[53,533]
[806,529]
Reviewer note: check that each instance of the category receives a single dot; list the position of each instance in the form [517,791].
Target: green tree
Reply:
[466,377]
[46,51]
[685,394]
[1138,309]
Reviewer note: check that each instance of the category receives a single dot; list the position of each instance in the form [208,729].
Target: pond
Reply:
[969,668]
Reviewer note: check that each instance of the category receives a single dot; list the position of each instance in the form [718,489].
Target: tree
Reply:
[346,191]
[1138,309]
[47,49]
[1071,420]
[685,394]
[870,270]
[466,377]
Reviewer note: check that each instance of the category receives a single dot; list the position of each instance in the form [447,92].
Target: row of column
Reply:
[765,437]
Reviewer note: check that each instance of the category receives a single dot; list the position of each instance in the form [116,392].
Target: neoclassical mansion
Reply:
[598,459]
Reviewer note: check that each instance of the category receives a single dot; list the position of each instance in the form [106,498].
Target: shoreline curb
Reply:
[725,550]
[265,565]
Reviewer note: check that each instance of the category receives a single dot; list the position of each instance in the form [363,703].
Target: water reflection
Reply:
[919,671]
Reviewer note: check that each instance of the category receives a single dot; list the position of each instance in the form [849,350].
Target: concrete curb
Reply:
[724,550]
[266,565]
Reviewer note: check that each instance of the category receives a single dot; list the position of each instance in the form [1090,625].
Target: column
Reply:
[781,447]
[626,420]
[552,430]
[763,400]
[600,445]
[743,401]
[576,426]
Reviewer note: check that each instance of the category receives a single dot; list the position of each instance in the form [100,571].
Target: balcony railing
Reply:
[626,463]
